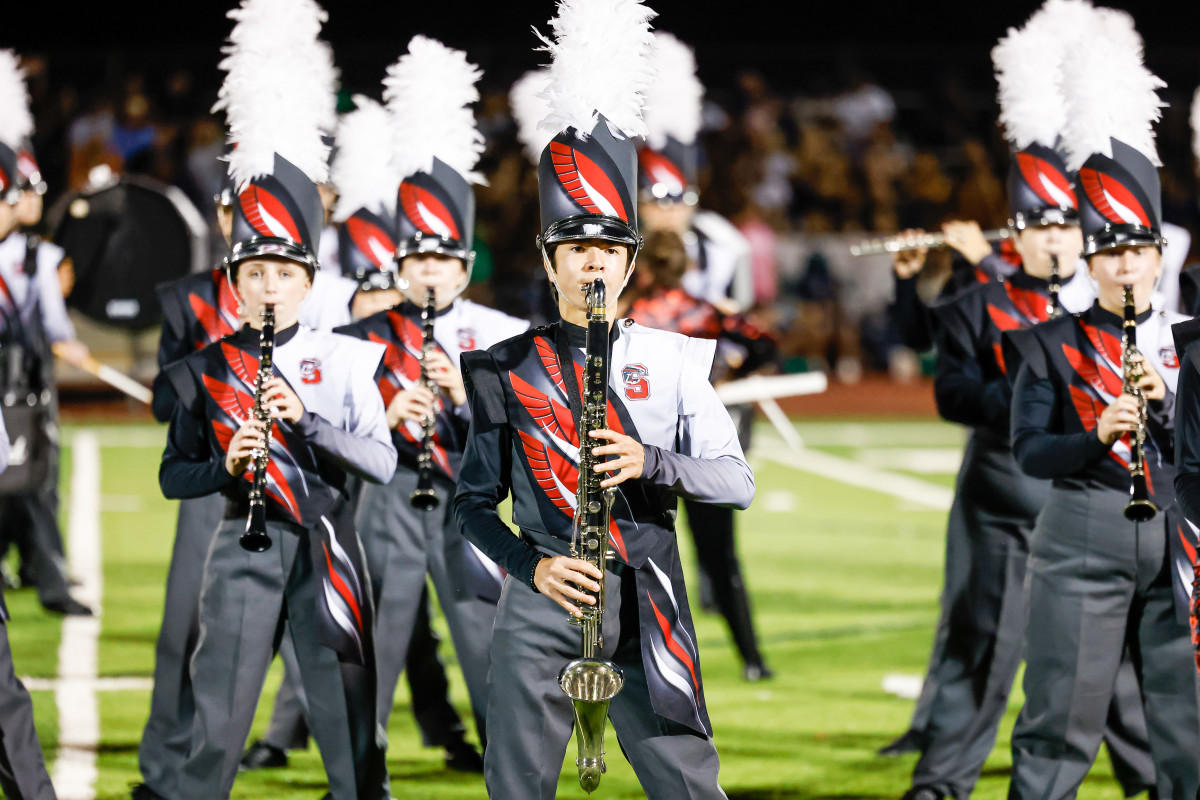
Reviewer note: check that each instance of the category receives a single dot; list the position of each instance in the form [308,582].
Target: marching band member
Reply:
[670,433]
[435,148]
[33,316]
[1103,574]
[667,173]
[326,423]
[996,505]
[23,773]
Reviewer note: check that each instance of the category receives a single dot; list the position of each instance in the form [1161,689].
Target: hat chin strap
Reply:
[554,279]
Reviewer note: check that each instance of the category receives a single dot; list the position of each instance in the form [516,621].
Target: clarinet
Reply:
[255,539]
[423,497]
[591,681]
[1140,507]
[1054,307]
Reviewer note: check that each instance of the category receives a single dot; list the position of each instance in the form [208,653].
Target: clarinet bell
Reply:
[1140,508]
[424,500]
[255,539]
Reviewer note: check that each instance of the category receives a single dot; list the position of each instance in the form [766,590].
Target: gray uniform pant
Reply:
[29,521]
[532,642]
[244,601]
[22,769]
[997,506]
[1099,583]
[402,545]
[168,731]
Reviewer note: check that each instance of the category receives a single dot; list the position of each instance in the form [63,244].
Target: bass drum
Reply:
[124,239]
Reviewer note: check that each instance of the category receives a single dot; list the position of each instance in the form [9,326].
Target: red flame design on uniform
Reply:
[5,180]
[371,240]
[586,182]
[426,212]
[267,215]
[1112,198]
[672,645]
[1047,181]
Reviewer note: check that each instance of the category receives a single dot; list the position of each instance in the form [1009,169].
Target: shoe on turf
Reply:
[68,606]
[910,741]
[753,673]
[924,793]
[141,791]
[462,757]
[261,755]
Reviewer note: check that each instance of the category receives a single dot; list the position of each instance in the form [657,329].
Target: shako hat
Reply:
[1111,105]
[278,97]
[587,174]
[16,125]
[668,162]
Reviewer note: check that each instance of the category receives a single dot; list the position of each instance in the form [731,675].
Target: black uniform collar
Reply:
[1102,316]
[408,308]
[247,338]
[577,334]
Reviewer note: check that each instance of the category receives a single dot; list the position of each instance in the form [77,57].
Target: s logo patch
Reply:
[466,338]
[1169,358]
[310,370]
[636,386]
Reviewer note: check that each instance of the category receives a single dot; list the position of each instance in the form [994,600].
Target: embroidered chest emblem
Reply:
[310,370]
[634,377]
[466,339]
[1169,358]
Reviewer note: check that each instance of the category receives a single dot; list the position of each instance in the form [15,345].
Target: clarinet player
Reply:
[668,436]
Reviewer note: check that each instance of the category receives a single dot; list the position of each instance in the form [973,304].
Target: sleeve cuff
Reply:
[1096,449]
[651,462]
[537,559]
[308,425]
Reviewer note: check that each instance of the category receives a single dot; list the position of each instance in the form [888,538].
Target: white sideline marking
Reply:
[855,473]
[75,690]
[926,460]
[111,684]
[906,686]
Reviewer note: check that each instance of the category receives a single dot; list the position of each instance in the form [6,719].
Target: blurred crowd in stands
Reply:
[802,175]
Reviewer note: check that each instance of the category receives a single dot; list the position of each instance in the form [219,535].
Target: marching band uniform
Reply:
[312,576]
[996,505]
[523,442]
[1099,583]
[434,213]
[23,773]
[33,316]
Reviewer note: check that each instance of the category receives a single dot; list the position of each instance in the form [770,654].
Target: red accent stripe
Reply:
[254,200]
[554,418]
[540,465]
[340,586]
[411,195]
[672,645]
[1035,169]
[1098,376]
[369,238]
[1095,184]
[572,168]
[656,161]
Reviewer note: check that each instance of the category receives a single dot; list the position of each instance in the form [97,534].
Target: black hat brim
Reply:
[591,226]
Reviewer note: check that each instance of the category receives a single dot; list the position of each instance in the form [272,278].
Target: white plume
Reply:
[1196,125]
[529,108]
[601,65]
[1028,62]
[362,170]
[674,100]
[16,123]
[1108,90]
[279,90]
[429,92]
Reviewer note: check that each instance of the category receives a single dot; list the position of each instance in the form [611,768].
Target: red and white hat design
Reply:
[1040,189]
[1122,200]
[278,214]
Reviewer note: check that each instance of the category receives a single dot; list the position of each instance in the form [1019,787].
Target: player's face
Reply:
[658,215]
[29,208]
[423,270]
[1037,245]
[1138,266]
[271,280]
[578,264]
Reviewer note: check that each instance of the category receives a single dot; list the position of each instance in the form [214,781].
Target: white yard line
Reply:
[855,473]
[75,690]
[117,683]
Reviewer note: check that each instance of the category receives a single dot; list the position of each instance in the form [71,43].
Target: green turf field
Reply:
[844,581]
